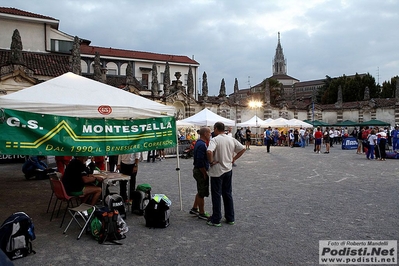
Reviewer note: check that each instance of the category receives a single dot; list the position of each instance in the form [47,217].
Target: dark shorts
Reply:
[248,139]
[318,141]
[202,183]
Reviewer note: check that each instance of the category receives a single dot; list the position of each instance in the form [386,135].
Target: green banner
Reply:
[27,133]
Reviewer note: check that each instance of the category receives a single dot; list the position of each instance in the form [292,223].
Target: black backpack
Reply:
[157,214]
[16,236]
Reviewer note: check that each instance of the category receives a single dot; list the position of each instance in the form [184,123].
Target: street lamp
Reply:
[256,105]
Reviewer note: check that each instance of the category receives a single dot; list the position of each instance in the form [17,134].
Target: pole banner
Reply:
[27,133]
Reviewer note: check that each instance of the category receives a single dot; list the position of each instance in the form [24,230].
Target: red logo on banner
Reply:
[104,109]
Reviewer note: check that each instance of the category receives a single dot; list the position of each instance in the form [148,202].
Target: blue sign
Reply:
[349,143]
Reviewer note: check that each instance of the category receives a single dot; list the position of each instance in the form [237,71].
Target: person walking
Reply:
[318,135]
[382,137]
[267,135]
[326,138]
[200,174]
[291,138]
[372,141]
[247,138]
[221,157]
[395,138]
[302,136]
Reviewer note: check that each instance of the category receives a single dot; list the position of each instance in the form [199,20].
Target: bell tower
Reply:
[279,62]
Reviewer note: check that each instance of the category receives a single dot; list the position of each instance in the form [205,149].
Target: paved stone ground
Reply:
[285,202]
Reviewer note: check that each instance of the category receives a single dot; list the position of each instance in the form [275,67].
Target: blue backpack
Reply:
[16,236]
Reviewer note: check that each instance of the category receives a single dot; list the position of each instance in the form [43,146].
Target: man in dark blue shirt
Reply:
[201,166]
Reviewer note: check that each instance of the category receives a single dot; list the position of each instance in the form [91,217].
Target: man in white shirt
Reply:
[331,134]
[221,158]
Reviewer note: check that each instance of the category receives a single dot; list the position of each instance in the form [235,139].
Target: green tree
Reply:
[352,88]
[388,88]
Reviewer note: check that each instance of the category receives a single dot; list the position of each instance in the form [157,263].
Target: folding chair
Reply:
[83,210]
[55,175]
[60,193]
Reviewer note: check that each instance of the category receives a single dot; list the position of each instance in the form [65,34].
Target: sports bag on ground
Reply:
[115,202]
[140,197]
[111,228]
[157,213]
[16,236]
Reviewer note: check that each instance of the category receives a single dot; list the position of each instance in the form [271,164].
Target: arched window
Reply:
[112,68]
[84,66]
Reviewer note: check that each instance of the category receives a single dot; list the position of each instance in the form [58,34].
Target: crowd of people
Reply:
[214,155]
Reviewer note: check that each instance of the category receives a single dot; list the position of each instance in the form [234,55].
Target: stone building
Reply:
[33,49]
[45,52]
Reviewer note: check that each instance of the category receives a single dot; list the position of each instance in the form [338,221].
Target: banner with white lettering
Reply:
[42,134]
[349,143]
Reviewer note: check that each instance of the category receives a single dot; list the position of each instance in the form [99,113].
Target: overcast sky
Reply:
[237,38]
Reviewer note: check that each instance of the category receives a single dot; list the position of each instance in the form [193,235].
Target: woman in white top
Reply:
[372,139]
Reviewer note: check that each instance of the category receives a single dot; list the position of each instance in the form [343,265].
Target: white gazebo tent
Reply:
[77,96]
[279,122]
[206,118]
[255,121]
[298,123]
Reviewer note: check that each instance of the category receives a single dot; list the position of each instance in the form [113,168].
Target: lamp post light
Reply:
[256,105]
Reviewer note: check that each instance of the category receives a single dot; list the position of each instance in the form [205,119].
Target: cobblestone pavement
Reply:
[285,202]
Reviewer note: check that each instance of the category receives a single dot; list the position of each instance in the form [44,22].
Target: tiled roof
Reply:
[282,76]
[316,82]
[43,64]
[86,49]
[18,12]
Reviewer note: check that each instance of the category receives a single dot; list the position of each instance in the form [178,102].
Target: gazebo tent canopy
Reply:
[317,123]
[374,122]
[255,121]
[206,118]
[347,123]
[76,96]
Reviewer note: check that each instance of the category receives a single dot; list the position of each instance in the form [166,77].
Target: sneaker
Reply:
[194,211]
[212,224]
[230,223]
[204,216]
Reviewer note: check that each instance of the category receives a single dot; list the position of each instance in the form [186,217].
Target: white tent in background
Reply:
[269,120]
[298,123]
[180,123]
[279,122]
[207,118]
[255,121]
